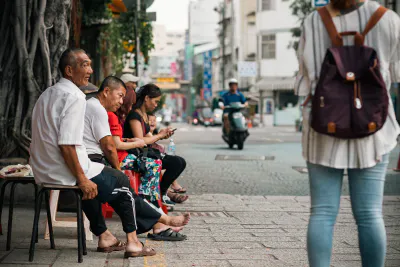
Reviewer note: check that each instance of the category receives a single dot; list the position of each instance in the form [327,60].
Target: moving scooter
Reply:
[238,131]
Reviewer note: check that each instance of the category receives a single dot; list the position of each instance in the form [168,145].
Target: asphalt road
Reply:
[271,163]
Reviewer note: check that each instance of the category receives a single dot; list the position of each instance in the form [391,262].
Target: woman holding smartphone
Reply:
[137,126]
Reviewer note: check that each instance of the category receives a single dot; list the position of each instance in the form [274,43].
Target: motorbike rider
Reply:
[231,97]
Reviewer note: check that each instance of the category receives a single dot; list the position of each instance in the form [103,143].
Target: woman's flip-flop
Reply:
[181,190]
[167,235]
[118,246]
[145,252]
[177,198]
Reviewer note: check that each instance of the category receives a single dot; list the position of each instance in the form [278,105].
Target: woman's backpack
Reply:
[351,99]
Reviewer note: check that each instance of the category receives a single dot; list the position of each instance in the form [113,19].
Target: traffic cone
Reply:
[397,169]
[249,124]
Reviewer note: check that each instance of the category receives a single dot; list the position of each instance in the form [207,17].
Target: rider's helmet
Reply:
[233,81]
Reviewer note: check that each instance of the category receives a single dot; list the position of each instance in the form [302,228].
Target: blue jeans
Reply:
[366,193]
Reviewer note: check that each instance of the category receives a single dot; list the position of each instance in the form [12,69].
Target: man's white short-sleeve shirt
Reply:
[96,126]
[58,119]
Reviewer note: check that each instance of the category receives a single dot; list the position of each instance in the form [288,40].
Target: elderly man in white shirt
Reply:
[58,154]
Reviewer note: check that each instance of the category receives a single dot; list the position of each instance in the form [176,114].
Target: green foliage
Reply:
[145,31]
[111,43]
[197,80]
[300,9]
[116,30]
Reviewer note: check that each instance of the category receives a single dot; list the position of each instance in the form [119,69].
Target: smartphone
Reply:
[173,130]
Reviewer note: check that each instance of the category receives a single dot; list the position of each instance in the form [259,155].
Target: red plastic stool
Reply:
[134,180]
[107,210]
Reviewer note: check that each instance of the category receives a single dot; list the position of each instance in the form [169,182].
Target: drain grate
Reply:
[203,214]
[243,158]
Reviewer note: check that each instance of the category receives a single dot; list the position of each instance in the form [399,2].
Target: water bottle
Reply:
[171,148]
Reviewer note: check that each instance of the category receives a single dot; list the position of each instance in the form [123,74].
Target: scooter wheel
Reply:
[240,145]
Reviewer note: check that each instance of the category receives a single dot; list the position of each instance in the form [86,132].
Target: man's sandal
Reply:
[145,252]
[167,235]
[118,246]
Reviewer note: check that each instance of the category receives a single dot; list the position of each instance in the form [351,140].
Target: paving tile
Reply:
[219,245]
[290,255]
[346,263]
[253,238]
[392,263]
[224,221]
[284,245]
[21,256]
[259,263]
[199,263]
[264,256]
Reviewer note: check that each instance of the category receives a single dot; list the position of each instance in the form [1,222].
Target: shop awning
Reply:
[276,83]
[169,86]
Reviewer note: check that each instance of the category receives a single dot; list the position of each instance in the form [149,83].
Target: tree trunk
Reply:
[34,35]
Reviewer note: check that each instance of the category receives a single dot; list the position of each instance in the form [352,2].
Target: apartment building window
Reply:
[268,46]
[266,5]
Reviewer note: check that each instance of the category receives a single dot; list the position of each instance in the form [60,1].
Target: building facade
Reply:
[277,62]
[203,21]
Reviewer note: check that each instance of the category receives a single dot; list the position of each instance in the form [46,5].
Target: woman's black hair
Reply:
[150,90]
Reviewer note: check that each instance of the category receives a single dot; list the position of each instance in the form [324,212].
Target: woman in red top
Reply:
[150,182]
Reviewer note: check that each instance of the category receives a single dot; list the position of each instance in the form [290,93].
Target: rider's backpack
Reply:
[350,100]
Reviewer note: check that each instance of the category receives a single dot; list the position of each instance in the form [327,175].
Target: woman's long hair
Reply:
[150,90]
[129,100]
[343,4]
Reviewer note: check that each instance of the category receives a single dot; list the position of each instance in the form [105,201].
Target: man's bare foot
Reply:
[178,221]
[107,239]
[160,227]
[134,246]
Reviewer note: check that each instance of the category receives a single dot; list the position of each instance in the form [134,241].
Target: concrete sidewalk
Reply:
[225,230]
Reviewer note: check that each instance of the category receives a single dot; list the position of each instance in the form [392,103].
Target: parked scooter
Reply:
[238,131]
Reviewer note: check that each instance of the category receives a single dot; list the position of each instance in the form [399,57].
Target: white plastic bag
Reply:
[16,170]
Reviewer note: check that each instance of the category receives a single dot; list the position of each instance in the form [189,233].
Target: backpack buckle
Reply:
[350,76]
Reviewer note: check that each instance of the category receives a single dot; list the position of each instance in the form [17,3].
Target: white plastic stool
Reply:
[64,222]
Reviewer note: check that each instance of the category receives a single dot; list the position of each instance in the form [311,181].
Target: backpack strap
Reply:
[330,26]
[378,14]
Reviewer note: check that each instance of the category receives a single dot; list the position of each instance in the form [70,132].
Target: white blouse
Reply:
[385,39]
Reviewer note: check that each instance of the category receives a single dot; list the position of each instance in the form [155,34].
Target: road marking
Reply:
[272,139]
[157,260]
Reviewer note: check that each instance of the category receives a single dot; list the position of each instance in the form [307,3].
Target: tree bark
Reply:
[34,35]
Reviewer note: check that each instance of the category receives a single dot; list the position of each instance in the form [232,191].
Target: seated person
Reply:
[153,124]
[154,131]
[149,187]
[99,141]
[137,125]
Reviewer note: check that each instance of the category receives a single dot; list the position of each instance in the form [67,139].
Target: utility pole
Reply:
[223,44]
[233,27]
[137,42]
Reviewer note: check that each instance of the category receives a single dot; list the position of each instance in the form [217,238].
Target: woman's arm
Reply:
[127,145]
[136,127]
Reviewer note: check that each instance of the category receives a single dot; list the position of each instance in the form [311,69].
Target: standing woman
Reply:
[137,126]
[366,158]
